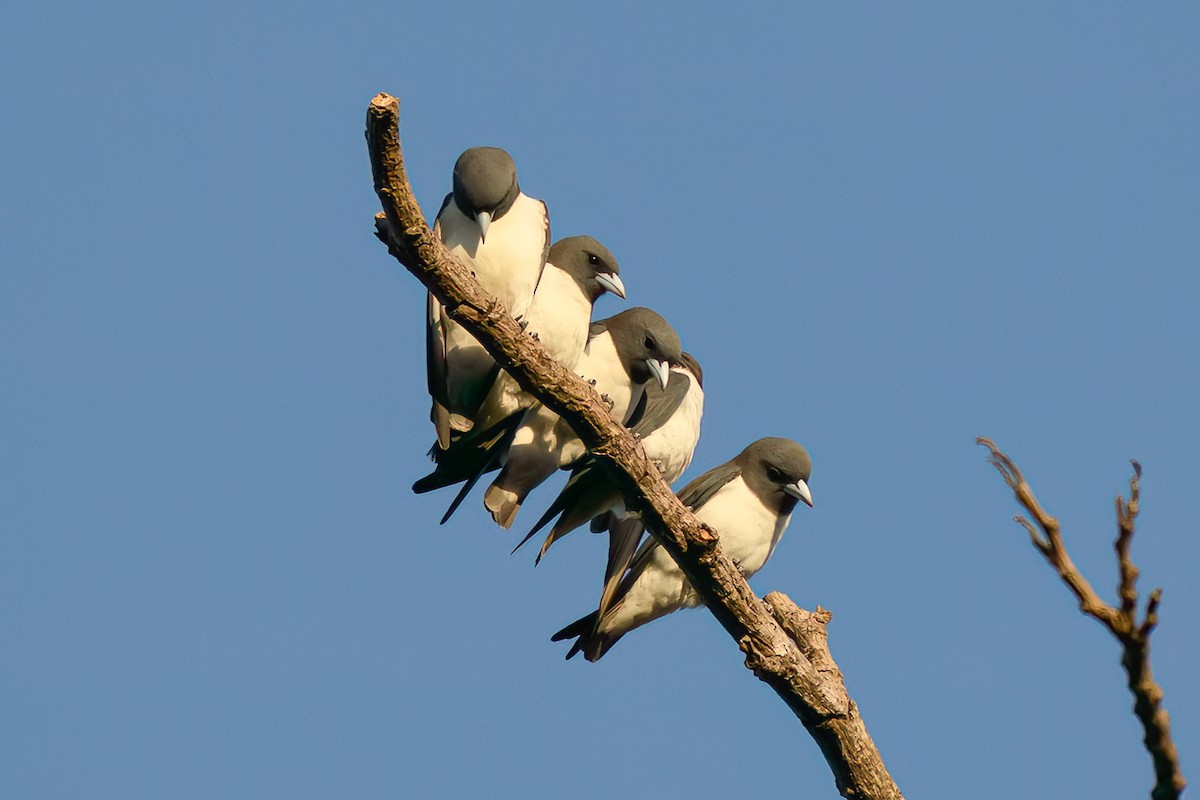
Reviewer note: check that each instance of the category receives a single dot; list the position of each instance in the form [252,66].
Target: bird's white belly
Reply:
[559,315]
[673,444]
[509,263]
[749,530]
[601,363]
[659,590]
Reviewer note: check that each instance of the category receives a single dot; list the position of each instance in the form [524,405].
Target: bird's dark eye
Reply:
[649,342]
[774,475]
[593,259]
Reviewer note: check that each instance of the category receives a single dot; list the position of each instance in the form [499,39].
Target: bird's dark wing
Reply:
[700,491]
[660,404]
[581,477]
[435,370]
[545,247]
[437,219]
[624,535]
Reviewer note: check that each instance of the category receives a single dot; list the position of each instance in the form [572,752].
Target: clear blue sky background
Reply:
[884,229]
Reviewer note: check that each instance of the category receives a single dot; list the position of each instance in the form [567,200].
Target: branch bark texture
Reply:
[784,646]
[1121,620]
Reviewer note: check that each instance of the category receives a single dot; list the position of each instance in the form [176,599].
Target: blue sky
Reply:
[883,229]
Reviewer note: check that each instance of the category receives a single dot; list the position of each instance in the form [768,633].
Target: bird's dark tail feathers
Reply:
[469,456]
[496,449]
[598,496]
[551,513]
[587,494]
[624,536]
[588,640]
[462,494]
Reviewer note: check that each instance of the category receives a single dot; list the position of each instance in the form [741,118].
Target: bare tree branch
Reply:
[814,693]
[1120,620]
[842,738]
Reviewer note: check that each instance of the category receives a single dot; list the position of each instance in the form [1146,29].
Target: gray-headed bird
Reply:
[503,236]
[624,352]
[748,501]
[669,429]
[579,270]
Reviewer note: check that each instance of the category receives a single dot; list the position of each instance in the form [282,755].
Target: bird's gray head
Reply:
[485,185]
[590,263]
[646,343]
[778,471]
[693,366]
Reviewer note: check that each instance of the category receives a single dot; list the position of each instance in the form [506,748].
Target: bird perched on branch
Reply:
[503,236]
[579,270]
[748,501]
[623,353]
[669,428]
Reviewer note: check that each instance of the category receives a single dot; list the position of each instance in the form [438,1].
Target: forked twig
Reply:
[1121,620]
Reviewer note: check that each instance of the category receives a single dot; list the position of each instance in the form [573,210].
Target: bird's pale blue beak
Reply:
[661,370]
[800,491]
[484,218]
[611,282]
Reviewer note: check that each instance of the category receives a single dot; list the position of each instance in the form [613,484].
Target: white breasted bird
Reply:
[669,429]
[748,501]
[579,270]
[503,236]
[623,353]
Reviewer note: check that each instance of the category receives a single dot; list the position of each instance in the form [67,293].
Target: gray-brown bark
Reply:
[1121,621]
[784,646]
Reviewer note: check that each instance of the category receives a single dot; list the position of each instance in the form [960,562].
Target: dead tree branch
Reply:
[802,674]
[1121,621]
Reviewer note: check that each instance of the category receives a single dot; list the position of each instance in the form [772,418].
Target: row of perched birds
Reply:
[486,422]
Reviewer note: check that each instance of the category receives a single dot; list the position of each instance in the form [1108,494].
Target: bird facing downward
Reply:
[503,236]
[748,501]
